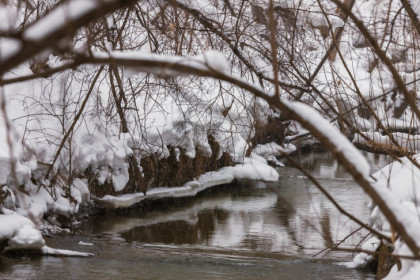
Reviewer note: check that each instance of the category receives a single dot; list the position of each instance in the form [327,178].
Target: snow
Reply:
[397,183]
[58,18]
[7,157]
[82,188]
[273,149]
[320,20]
[26,238]
[11,223]
[410,269]
[48,251]
[361,260]
[103,154]
[9,16]
[184,122]
[215,60]
[20,232]
[200,5]
[39,201]
[254,168]
[82,243]
[211,60]
[205,181]
[9,47]
[415,5]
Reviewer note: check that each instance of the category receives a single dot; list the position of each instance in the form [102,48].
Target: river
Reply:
[246,230]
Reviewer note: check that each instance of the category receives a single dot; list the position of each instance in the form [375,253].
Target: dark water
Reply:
[249,230]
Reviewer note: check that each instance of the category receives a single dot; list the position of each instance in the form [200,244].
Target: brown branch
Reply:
[76,118]
[412,15]
[32,48]
[43,74]
[411,100]
[332,50]
[217,30]
[124,127]
[152,66]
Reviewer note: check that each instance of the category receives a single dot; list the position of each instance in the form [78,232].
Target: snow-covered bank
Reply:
[398,184]
[400,181]
[207,180]
[271,151]
[20,233]
[254,168]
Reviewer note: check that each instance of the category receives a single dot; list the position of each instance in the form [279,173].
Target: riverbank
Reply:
[279,222]
[253,168]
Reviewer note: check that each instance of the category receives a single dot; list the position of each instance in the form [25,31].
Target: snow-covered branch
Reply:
[344,151]
[57,26]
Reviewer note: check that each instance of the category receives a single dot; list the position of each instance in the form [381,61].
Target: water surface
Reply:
[248,230]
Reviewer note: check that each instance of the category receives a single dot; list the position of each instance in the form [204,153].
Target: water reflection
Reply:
[289,216]
[239,231]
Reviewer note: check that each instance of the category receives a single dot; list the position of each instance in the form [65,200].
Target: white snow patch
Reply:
[415,4]
[58,18]
[83,190]
[211,60]
[397,184]
[9,47]
[318,20]
[205,181]
[27,237]
[361,260]
[85,243]
[254,168]
[60,252]
[9,16]
[410,269]
[273,149]
[20,233]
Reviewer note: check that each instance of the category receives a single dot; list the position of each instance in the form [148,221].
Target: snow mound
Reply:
[397,183]
[253,168]
[20,233]
[273,149]
[361,260]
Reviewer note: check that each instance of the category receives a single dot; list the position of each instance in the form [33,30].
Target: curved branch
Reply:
[291,110]
[41,36]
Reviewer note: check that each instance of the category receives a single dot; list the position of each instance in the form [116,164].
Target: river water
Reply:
[247,230]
